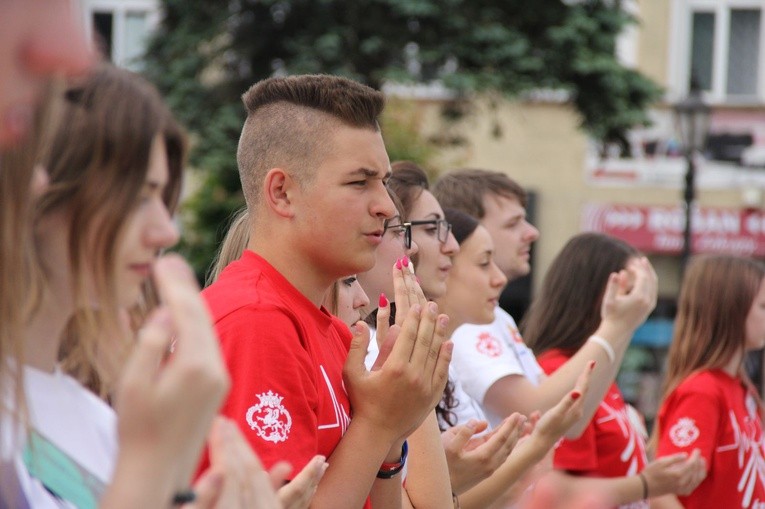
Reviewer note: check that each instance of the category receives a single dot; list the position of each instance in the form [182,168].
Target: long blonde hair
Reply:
[710,326]
[20,276]
[233,245]
[96,177]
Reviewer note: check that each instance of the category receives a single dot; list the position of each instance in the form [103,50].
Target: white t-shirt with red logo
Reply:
[611,445]
[715,413]
[484,354]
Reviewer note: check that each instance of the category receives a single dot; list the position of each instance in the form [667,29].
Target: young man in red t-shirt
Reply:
[313,168]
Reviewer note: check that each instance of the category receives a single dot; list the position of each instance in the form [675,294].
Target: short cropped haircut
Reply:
[289,120]
[466,190]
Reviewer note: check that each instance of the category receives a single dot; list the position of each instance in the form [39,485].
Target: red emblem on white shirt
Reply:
[488,345]
[684,432]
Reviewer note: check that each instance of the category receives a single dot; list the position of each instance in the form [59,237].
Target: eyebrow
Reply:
[369,173]
[153,185]
[515,217]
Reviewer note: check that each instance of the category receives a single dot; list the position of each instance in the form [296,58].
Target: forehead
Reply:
[350,148]
[478,242]
[158,170]
[498,207]
[426,205]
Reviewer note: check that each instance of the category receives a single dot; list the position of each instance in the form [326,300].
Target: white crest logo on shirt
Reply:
[684,432]
[488,345]
[269,418]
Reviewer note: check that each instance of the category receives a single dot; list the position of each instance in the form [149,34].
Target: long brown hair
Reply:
[567,310]
[96,177]
[710,326]
[19,271]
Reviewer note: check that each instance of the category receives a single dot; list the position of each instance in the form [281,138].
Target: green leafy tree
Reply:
[208,52]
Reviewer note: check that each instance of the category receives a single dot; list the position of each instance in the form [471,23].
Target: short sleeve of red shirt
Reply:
[580,455]
[285,358]
[689,419]
[274,393]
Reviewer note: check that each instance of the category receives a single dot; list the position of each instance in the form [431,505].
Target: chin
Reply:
[360,264]
[487,318]
[129,298]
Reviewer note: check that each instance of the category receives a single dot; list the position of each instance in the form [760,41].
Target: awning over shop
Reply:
[659,229]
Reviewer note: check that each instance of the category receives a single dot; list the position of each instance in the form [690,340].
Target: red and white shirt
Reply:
[714,412]
[485,353]
[611,445]
[285,357]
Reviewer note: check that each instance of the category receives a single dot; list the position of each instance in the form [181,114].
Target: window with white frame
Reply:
[719,45]
[120,28]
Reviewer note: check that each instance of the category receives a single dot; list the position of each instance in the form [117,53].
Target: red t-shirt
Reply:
[285,357]
[715,413]
[610,446]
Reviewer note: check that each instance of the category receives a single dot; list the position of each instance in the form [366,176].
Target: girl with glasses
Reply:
[430,231]
[396,243]
[480,470]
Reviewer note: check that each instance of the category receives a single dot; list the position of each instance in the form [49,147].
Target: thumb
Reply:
[354,362]
[463,434]
[217,440]
[208,489]
[149,351]
[278,474]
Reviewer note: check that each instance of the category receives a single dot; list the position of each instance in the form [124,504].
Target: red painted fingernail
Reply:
[405,261]
[383,300]
[575,395]
[398,264]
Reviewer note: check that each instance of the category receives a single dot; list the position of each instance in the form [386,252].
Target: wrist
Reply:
[605,345]
[139,481]
[394,454]
[643,486]
[615,333]
[391,469]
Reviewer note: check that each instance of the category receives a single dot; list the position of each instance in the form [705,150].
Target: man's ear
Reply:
[278,188]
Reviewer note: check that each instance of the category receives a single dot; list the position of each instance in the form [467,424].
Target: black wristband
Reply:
[388,470]
[184,497]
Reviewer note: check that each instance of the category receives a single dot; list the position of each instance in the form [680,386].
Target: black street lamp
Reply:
[692,120]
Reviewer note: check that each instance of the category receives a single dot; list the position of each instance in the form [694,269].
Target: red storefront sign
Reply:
[659,229]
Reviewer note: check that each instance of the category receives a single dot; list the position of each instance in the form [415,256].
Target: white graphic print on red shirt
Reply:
[269,418]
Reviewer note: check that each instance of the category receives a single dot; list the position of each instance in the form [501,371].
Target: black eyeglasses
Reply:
[443,227]
[400,229]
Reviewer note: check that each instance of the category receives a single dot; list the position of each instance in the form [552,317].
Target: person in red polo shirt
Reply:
[709,402]
[610,455]
[313,168]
